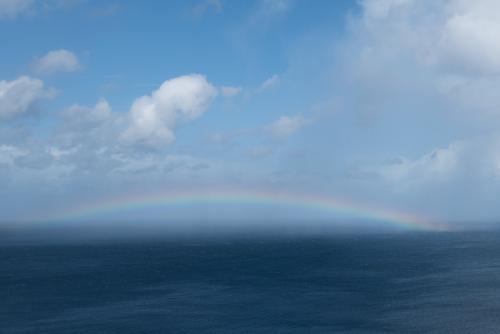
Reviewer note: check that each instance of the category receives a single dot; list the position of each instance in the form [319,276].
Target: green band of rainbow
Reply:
[227,197]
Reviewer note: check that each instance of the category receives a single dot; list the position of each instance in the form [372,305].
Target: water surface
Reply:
[400,283]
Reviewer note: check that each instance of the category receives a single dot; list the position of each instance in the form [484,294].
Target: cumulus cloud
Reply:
[455,35]
[83,116]
[149,123]
[470,33]
[424,73]
[18,96]
[436,62]
[438,165]
[402,52]
[10,9]
[57,61]
[475,159]
[89,127]
[153,117]
[287,125]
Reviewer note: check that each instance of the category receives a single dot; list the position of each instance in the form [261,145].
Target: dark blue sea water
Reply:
[400,283]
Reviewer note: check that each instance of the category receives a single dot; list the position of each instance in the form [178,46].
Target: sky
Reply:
[390,103]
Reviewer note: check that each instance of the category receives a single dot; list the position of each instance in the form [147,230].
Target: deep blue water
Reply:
[406,283]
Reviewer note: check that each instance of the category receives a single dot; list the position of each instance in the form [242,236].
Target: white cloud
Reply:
[57,61]
[402,50]
[229,91]
[153,117]
[18,96]
[82,115]
[471,33]
[455,35]
[286,126]
[440,164]
[269,82]
[474,159]
[89,126]
[459,181]
[12,8]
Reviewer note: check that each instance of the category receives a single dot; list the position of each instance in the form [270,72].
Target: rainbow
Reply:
[227,197]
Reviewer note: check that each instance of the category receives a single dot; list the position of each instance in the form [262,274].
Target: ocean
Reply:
[375,283]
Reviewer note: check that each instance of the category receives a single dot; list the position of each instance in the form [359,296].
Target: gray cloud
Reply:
[17,97]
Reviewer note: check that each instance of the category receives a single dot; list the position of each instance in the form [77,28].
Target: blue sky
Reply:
[393,103]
